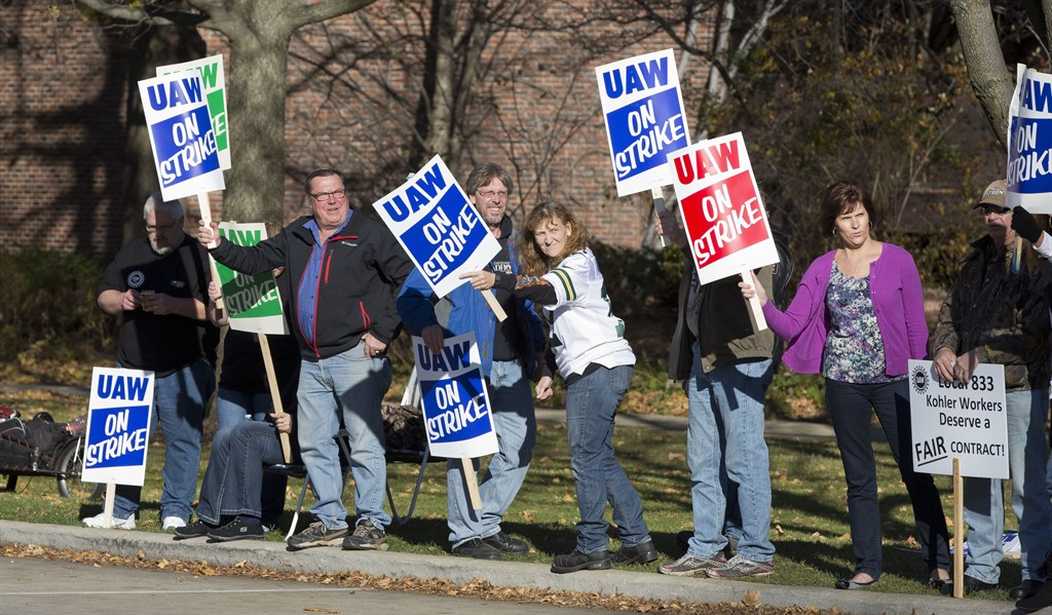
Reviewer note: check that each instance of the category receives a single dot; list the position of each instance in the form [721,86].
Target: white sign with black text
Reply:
[963,420]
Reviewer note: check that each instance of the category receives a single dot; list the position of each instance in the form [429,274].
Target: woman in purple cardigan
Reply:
[857,318]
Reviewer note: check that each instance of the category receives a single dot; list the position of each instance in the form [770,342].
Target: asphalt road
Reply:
[31,587]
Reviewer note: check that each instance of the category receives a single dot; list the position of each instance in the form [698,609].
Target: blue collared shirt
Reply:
[307,294]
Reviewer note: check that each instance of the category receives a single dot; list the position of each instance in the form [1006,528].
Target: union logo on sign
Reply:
[919,379]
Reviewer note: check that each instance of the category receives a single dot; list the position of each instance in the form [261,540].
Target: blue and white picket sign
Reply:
[438,227]
[185,150]
[118,429]
[645,121]
[1030,142]
[453,396]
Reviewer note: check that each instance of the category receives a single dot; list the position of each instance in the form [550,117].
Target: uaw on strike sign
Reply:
[438,227]
[118,429]
[966,420]
[185,151]
[644,115]
[721,208]
[1030,142]
[453,396]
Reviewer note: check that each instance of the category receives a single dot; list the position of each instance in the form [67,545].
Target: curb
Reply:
[651,586]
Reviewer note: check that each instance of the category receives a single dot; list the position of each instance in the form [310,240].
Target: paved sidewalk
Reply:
[460,570]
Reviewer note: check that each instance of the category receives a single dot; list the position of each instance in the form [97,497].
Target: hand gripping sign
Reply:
[439,228]
[185,151]
[455,403]
[1030,142]
[214,82]
[643,108]
[722,212]
[118,430]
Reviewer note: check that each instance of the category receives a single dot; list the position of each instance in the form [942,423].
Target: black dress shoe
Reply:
[850,584]
[643,553]
[506,544]
[971,585]
[477,549]
[572,562]
[1025,589]
[1039,600]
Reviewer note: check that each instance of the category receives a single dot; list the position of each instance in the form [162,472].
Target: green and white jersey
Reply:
[584,329]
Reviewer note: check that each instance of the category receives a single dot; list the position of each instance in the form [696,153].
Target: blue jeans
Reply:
[233,407]
[233,482]
[179,407]
[726,452]
[984,498]
[591,403]
[353,384]
[511,400]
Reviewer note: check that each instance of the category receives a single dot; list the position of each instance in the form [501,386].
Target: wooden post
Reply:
[275,394]
[206,218]
[958,530]
[472,481]
[494,305]
[107,506]
[759,323]
[657,195]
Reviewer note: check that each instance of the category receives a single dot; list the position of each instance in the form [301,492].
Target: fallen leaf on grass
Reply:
[778,528]
[817,535]
[751,598]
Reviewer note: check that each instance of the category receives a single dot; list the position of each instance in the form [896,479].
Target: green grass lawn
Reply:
[809,522]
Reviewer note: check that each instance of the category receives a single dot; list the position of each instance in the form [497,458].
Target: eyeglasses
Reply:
[493,194]
[164,228]
[329,196]
[993,209]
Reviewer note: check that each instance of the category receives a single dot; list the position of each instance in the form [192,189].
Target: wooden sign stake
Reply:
[206,218]
[494,305]
[473,483]
[275,394]
[657,195]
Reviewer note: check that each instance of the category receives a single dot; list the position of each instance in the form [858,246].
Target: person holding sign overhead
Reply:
[997,312]
[509,352]
[342,268]
[595,360]
[858,317]
[157,288]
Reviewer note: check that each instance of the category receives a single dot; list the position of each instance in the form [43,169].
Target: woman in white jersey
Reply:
[591,354]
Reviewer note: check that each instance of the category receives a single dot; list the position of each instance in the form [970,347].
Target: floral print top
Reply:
[854,351]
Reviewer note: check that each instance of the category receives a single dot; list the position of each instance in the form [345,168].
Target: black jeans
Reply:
[849,405]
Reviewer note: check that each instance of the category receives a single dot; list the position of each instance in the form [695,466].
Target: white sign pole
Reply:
[657,197]
[959,528]
[107,507]
[206,219]
[756,317]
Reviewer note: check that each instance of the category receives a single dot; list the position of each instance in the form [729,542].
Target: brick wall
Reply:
[536,111]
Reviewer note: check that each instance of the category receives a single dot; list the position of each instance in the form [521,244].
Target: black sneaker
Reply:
[643,553]
[241,528]
[506,544]
[478,549]
[316,535]
[572,562]
[366,537]
[196,529]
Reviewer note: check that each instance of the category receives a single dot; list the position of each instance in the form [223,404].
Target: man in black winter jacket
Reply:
[342,268]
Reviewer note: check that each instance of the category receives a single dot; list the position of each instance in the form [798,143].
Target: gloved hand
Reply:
[1024,224]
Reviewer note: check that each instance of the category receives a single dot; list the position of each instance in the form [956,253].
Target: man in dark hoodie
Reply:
[343,268]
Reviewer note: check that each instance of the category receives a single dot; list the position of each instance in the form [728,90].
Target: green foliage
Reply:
[49,301]
[638,279]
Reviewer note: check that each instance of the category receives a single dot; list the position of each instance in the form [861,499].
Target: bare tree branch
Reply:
[990,80]
[149,14]
[326,9]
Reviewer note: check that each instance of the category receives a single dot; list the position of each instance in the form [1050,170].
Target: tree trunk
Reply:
[256,91]
[990,80]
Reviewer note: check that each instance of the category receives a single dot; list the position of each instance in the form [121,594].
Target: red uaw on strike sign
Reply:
[721,207]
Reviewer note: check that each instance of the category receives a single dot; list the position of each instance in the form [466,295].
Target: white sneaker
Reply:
[102,521]
[173,523]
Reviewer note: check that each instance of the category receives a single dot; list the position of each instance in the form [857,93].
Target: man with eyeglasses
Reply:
[510,353]
[157,287]
[998,312]
[342,268]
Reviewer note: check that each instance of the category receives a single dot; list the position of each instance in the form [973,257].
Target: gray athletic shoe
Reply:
[692,566]
[316,535]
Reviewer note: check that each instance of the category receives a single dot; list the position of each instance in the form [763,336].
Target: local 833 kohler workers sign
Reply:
[964,420]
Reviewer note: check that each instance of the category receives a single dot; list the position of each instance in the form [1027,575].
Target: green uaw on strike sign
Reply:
[253,302]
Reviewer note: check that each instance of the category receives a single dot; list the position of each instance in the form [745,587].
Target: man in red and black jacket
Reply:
[343,269]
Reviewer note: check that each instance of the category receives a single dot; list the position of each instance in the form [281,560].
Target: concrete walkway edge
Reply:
[156,546]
